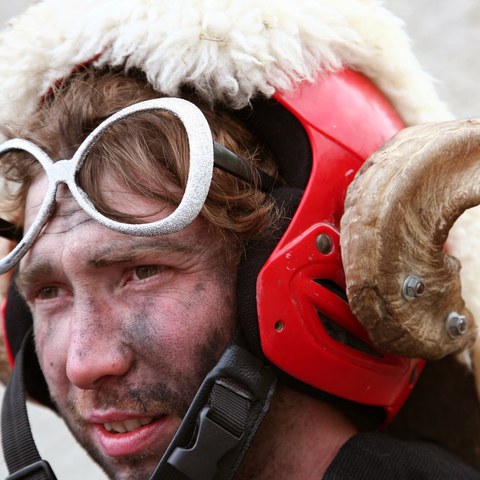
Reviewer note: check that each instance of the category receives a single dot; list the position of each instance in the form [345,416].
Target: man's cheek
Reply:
[166,323]
[52,353]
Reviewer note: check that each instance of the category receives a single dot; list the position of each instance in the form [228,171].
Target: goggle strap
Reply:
[227,161]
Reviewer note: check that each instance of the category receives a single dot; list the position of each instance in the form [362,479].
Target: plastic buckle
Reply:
[212,442]
[41,466]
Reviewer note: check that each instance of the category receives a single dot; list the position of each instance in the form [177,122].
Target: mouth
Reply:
[133,436]
[128,425]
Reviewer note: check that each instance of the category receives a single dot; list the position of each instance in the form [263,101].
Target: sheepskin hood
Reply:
[229,51]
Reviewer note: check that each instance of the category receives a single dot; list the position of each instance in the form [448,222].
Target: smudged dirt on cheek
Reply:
[175,351]
[159,358]
[208,352]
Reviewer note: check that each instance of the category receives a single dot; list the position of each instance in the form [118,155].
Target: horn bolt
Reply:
[456,325]
[413,287]
[324,243]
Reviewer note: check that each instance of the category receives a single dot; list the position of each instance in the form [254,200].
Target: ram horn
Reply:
[401,285]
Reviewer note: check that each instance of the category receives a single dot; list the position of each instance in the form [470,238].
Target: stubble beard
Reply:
[145,400]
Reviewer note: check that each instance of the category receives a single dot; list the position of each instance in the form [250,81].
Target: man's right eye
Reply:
[47,293]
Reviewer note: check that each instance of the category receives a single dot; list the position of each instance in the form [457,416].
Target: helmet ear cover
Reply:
[293,154]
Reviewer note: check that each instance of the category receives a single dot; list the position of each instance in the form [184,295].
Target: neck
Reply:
[298,439]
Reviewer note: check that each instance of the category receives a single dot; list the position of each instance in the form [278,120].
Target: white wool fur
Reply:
[230,51]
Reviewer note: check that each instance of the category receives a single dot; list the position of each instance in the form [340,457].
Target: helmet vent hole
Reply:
[343,336]
[332,287]
[279,325]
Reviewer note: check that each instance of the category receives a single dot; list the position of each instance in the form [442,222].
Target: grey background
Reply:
[445,36]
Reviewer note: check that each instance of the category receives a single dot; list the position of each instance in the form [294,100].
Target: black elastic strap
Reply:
[231,163]
[21,454]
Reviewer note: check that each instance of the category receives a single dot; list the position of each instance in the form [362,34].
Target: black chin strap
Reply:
[210,444]
[21,454]
[222,420]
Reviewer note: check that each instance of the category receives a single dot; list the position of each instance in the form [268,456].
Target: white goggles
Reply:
[204,154]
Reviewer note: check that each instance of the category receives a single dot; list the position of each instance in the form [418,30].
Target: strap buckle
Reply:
[39,467]
[212,442]
[222,420]
[221,426]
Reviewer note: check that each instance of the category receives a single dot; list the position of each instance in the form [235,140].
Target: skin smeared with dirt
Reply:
[133,325]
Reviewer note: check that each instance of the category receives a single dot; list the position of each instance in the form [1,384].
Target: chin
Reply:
[139,467]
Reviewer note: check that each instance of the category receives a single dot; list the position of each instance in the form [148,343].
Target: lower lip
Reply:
[154,435]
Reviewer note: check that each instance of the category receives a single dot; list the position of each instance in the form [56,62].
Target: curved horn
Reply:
[401,285]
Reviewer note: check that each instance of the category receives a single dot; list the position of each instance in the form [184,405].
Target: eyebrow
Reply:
[115,254]
[43,268]
[36,271]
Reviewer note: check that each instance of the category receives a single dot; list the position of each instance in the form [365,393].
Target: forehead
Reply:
[70,233]
[68,213]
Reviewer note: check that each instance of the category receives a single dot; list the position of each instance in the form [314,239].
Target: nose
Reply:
[96,352]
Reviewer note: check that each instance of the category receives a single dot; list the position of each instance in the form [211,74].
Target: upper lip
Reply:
[115,416]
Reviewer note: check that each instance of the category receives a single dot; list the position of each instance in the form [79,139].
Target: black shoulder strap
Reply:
[20,452]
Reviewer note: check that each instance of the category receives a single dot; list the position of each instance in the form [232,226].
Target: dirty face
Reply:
[125,327]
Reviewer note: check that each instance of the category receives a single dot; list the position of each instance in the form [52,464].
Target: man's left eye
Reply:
[47,293]
[145,271]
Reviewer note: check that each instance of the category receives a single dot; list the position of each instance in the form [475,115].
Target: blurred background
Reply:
[444,35]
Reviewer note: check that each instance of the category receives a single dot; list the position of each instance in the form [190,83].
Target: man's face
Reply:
[125,327]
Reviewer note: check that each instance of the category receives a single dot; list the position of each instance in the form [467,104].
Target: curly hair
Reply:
[145,154]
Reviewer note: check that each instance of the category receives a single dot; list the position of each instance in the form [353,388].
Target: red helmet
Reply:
[305,326]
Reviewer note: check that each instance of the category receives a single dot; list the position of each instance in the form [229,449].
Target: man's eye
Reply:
[47,293]
[145,271]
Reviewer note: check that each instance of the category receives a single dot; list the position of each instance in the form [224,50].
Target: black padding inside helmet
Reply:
[285,137]
[289,143]
[256,254]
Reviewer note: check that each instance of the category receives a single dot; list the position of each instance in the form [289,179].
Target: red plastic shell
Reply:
[346,119]
[8,349]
